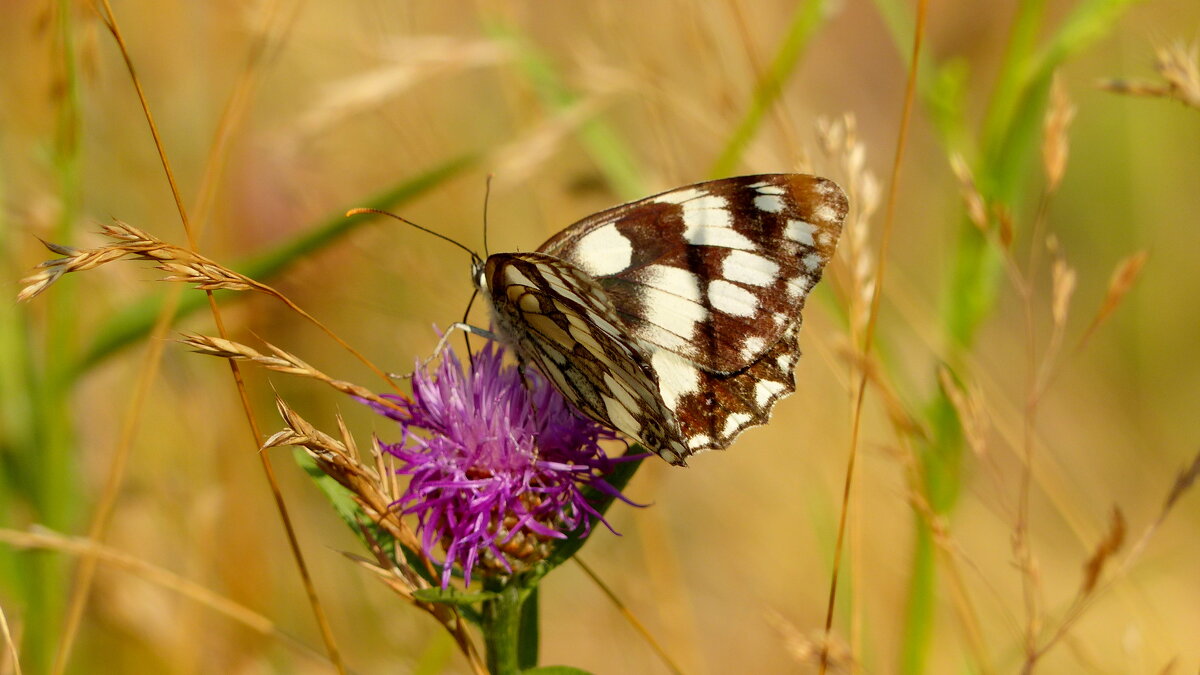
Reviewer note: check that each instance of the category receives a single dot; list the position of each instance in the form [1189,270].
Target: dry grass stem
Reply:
[1122,280]
[1004,225]
[902,421]
[636,623]
[1091,587]
[516,162]
[1055,144]
[1183,482]
[839,141]
[807,650]
[1104,551]
[972,416]
[129,241]
[1063,280]
[13,662]
[179,263]
[337,459]
[1179,66]
[977,210]
[412,60]
[41,538]
[376,496]
[280,361]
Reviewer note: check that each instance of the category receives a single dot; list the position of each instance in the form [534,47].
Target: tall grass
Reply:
[938,439]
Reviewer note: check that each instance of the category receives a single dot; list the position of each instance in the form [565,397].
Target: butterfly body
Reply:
[674,319]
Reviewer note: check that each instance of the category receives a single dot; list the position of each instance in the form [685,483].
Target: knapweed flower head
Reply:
[497,464]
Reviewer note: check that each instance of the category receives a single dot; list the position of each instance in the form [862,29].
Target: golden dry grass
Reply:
[730,568]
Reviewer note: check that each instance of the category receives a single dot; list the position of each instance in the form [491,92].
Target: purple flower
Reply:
[496,464]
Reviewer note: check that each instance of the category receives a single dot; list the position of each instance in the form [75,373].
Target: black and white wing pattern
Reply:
[674,319]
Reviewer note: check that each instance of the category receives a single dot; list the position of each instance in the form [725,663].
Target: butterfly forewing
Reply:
[674,319]
[717,271]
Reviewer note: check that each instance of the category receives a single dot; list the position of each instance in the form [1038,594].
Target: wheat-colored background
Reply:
[731,563]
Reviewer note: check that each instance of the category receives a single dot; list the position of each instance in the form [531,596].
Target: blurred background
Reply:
[277,117]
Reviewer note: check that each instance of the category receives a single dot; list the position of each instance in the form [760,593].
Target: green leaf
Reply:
[453,596]
[618,479]
[136,320]
[339,497]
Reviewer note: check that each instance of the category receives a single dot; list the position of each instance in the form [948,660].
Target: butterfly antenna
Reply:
[487,194]
[439,235]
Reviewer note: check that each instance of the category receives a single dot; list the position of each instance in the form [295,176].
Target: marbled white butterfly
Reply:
[673,319]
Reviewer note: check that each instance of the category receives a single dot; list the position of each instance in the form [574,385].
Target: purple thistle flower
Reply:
[496,464]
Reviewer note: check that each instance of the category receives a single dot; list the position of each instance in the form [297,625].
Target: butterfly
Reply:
[673,319]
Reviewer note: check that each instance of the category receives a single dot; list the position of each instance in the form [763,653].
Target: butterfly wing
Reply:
[710,279]
[558,318]
[716,272]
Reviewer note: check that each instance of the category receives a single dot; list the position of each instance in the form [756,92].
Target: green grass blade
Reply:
[603,144]
[137,320]
[805,21]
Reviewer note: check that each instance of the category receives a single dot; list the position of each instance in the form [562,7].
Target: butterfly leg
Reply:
[445,339]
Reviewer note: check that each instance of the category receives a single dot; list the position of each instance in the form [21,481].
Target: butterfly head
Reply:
[478,272]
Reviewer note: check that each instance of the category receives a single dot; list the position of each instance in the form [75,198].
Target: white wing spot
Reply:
[766,391]
[679,196]
[707,211]
[731,299]
[813,261]
[825,213]
[677,377]
[769,203]
[749,268]
[707,221]
[734,422]
[786,361]
[768,189]
[664,338]
[800,232]
[603,251]
[799,286]
[699,441]
[672,299]
[752,346]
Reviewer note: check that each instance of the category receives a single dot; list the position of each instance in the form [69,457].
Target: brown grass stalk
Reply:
[10,646]
[41,538]
[869,337]
[1126,274]
[629,616]
[1178,65]
[75,610]
[376,494]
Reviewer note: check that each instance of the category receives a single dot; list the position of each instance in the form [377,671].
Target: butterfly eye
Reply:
[477,273]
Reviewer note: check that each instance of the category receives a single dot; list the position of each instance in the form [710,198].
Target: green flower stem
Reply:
[504,617]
